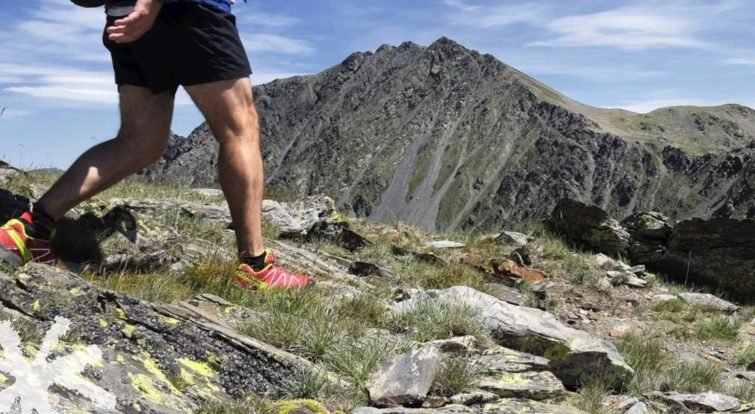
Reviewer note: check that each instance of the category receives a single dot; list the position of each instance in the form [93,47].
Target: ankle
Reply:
[257,263]
[37,223]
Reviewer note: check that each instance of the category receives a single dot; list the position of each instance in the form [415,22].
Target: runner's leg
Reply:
[230,112]
[143,135]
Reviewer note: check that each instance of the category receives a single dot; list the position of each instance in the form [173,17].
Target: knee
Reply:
[145,147]
[241,133]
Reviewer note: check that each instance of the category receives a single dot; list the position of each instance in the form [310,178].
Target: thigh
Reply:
[145,115]
[227,105]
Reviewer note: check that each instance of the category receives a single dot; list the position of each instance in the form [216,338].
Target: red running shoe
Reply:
[17,248]
[271,276]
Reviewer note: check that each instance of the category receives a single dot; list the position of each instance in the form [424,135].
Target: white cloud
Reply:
[741,61]
[494,16]
[267,20]
[67,92]
[257,42]
[625,28]
[653,104]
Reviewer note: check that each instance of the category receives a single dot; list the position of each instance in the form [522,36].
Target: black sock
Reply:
[37,224]
[257,263]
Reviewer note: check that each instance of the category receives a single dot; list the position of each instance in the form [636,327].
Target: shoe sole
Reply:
[10,258]
[247,285]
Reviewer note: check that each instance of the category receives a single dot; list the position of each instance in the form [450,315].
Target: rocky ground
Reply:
[400,321]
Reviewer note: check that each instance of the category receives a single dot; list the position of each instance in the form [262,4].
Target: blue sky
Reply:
[56,81]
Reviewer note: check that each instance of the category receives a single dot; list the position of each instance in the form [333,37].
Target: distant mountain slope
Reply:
[447,138]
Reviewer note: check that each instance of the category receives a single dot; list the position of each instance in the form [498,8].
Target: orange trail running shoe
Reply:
[271,276]
[17,247]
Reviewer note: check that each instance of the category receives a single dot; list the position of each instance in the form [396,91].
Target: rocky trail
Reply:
[400,321]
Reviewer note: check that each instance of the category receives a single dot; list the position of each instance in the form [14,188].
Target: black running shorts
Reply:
[189,44]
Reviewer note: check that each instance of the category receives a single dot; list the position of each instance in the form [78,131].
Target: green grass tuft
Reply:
[430,320]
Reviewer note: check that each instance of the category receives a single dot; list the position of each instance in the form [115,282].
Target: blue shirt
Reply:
[224,5]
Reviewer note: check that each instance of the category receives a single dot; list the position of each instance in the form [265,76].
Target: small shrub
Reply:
[592,398]
[744,356]
[455,376]
[305,383]
[719,328]
[357,359]
[430,320]
[690,377]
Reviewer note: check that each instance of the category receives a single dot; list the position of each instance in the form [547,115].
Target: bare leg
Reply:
[230,112]
[144,133]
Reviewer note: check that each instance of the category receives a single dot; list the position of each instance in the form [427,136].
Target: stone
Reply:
[639,408]
[521,406]
[719,253]
[706,402]
[634,281]
[474,398]
[278,215]
[449,409]
[430,258]
[574,355]
[404,379]
[338,233]
[445,244]
[509,268]
[649,234]
[664,297]
[498,360]
[529,385]
[512,237]
[361,268]
[208,192]
[145,344]
[588,227]
[706,300]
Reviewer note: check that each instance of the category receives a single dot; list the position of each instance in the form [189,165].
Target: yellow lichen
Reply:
[200,368]
[169,321]
[146,387]
[286,407]
[3,379]
[128,331]
[75,291]
[36,306]
[103,324]
[120,359]
[121,313]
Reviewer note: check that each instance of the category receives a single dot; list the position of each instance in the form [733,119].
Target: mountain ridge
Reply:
[450,139]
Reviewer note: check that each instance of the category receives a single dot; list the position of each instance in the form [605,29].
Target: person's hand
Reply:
[136,24]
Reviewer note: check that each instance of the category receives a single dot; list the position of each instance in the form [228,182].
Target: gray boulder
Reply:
[706,300]
[574,355]
[590,227]
[405,379]
[706,402]
[719,253]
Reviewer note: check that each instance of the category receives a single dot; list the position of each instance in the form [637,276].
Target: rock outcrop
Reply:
[717,253]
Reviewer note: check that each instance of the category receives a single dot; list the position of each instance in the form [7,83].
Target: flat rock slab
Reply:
[707,402]
[445,244]
[163,358]
[449,409]
[474,398]
[508,406]
[512,237]
[530,385]
[278,215]
[574,355]
[706,300]
[499,360]
[519,406]
[405,379]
